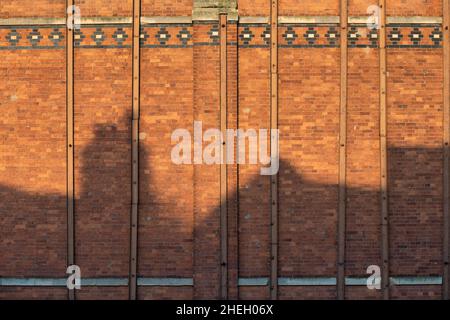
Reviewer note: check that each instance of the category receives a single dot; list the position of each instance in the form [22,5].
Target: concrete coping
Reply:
[62,21]
[32,21]
[336,19]
[168,20]
[212,14]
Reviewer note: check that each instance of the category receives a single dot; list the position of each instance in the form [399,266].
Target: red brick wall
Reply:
[166,190]
[254,204]
[166,7]
[252,293]
[102,93]
[308,123]
[308,7]
[415,160]
[416,293]
[362,293]
[102,293]
[363,162]
[32,8]
[206,70]
[179,231]
[359,7]
[165,293]
[30,293]
[414,8]
[32,163]
[253,8]
[233,174]
[307,293]
[107,8]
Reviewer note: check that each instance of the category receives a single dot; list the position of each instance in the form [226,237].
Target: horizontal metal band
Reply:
[211,16]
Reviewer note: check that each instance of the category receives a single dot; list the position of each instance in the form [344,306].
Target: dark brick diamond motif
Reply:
[184,35]
[266,35]
[246,36]
[311,35]
[163,36]
[120,36]
[34,37]
[373,38]
[143,36]
[353,36]
[290,35]
[436,36]
[416,36]
[98,36]
[13,37]
[214,33]
[332,36]
[395,36]
[56,36]
[78,37]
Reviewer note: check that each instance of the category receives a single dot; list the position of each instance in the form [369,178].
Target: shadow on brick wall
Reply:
[33,224]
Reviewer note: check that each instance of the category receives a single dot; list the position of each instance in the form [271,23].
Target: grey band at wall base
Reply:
[243,282]
[93,282]
[331,281]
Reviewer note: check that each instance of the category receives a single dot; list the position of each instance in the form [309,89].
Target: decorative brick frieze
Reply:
[251,35]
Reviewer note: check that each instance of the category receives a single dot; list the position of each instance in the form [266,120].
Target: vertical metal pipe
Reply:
[383,155]
[274,125]
[223,165]
[342,153]
[70,141]
[135,151]
[446,138]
